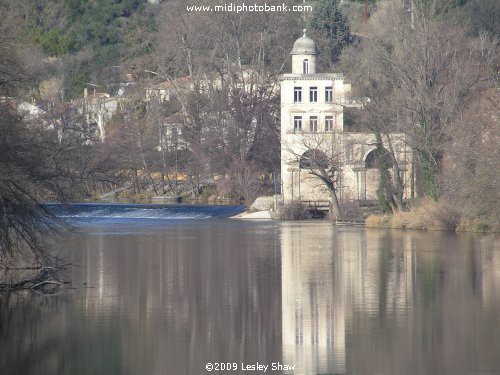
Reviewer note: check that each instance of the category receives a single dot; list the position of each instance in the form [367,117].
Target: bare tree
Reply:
[418,80]
[322,156]
[133,141]
[34,165]
[471,167]
[31,165]
[223,74]
[242,180]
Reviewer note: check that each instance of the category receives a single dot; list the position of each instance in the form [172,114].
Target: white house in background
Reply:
[98,109]
[312,111]
[170,134]
[166,90]
[30,111]
[245,78]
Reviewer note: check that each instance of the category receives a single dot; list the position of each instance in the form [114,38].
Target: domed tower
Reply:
[304,55]
[311,109]
[312,114]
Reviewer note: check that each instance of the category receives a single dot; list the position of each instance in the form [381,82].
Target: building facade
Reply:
[312,123]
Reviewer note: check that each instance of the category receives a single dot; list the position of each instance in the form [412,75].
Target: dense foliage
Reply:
[94,33]
[81,23]
[331,27]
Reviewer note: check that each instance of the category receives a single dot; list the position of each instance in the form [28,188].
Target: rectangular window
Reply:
[328,123]
[313,94]
[297,94]
[329,94]
[297,123]
[313,123]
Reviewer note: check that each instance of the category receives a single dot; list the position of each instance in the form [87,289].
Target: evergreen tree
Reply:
[331,28]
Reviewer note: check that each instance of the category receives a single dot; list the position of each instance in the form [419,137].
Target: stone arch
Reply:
[312,159]
[371,160]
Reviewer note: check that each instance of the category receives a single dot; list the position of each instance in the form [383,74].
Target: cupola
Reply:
[304,55]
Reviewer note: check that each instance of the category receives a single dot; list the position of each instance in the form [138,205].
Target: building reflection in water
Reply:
[313,301]
[326,300]
[374,301]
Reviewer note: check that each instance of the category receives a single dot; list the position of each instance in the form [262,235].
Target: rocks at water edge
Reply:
[262,204]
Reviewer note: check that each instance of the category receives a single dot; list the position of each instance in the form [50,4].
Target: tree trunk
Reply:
[335,212]
[143,159]
[397,189]
[135,182]
[427,173]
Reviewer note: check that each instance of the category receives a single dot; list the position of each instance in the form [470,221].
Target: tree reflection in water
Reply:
[167,300]
[390,302]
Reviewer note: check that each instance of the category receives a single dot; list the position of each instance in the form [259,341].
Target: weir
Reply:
[118,211]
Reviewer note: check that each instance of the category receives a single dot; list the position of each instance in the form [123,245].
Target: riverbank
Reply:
[432,216]
[257,215]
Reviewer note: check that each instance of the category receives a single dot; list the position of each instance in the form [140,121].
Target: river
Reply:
[169,290]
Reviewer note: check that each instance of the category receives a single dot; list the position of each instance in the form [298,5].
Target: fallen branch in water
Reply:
[48,280]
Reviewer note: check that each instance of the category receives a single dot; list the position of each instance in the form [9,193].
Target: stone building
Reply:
[312,123]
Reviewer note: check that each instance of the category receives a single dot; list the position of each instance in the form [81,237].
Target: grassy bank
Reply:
[432,215]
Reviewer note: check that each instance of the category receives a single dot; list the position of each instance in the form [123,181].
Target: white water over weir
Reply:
[134,212]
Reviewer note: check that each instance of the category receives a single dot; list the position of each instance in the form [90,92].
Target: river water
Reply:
[165,290]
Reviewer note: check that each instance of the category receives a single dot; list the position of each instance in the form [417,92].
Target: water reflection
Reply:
[167,300]
[313,300]
[382,302]
[188,295]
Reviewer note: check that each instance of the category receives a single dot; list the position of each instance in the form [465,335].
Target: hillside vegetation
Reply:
[90,36]
[430,71]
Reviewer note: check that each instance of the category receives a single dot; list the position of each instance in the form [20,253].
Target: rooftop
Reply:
[304,46]
[311,77]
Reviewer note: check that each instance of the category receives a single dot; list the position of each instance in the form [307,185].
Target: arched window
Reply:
[313,159]
[305,66]
[373,158]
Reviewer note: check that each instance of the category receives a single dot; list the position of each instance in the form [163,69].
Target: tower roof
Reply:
[304,46]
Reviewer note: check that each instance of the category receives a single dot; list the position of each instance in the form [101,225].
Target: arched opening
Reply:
[313,159]
[376,156]
[305,66]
